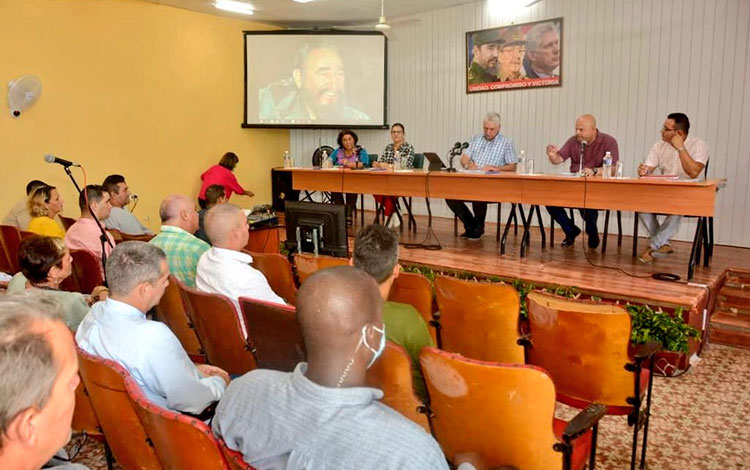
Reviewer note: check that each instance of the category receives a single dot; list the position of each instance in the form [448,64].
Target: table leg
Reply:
[541,226]
[635,235]
[695,250]
[525,236]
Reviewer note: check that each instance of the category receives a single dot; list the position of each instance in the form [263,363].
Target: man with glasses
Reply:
[676,154]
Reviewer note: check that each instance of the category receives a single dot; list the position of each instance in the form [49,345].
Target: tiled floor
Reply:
[700,420]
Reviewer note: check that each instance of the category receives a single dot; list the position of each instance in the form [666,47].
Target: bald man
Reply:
[225,269]
[322,416]
[593,145]
[179,220]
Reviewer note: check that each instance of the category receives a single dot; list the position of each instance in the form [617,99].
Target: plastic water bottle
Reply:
[607,166]
[326,162]
[618,172]
[287,163]
[521,165]
[397,160]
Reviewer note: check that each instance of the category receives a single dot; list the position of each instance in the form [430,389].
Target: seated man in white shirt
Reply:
[225,269]
[120,218]
[117,329]
[676,154]
[322,415]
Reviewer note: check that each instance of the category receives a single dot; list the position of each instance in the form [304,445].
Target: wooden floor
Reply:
[614,275]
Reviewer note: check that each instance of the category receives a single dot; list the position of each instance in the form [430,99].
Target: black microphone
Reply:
[60,161]
[464,146]
[580,162]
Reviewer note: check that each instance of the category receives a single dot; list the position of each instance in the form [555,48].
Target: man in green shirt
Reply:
[179,220]
[376,252]
[485,51]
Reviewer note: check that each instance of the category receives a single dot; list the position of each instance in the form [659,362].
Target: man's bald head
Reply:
[179,211]
[586,128]
[332,307]
[225,226]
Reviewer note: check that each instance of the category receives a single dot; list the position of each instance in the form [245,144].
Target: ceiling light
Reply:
[302,1]
[498,4]
[234,6]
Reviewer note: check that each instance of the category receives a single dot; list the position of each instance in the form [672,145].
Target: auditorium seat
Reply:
[585,347]
[105,382]
[505,413]
[86,273]
[479,319]
[391,373]
[85,421]
[305,264]
[273,334]
[218,326]
[5,264]
[181,442]
[278,271]
[171,311]
[234,459]
[67,222]
[415,290]
[11,237]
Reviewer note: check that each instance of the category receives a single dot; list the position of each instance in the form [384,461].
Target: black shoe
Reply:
[570,240]
[594,241]
[465,234]
[475,235]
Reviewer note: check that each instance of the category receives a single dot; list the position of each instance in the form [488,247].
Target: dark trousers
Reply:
[564,221]
[351,201]
[472,222]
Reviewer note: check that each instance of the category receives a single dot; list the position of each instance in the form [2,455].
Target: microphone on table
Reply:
[464,146]
[453,152]
[456,147]
[580,162]
[49,158]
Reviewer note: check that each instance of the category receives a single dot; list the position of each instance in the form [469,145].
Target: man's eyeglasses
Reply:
[665,129]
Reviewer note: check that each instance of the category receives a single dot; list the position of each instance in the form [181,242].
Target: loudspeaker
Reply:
[281,189]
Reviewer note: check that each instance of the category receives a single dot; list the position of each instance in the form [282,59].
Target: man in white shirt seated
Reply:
[85,234]
[675,154]
[120,218]
[225,269]
[322,415]
[117,329]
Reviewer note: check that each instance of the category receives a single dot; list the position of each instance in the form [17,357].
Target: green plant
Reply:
[671,330]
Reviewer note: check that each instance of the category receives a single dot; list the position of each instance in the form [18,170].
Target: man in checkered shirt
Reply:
[487,152]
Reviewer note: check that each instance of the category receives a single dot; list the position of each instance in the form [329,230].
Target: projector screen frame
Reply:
[318,32]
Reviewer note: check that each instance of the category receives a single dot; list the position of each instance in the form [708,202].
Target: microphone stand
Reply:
[450,160]
[580,162]
[103,237]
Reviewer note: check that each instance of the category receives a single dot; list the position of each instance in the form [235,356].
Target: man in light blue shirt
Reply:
[487,152]
[117,329]
[322,415]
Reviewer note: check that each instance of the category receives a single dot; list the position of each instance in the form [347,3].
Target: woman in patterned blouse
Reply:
[406,152]
[349,155]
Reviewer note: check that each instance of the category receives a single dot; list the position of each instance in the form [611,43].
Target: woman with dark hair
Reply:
[406,160]
[223,175]
[348,155]
[45,263]
[44,205]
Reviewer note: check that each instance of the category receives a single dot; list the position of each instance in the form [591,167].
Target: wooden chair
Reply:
[171,311]
[67,222]
[306,264]
[391,373]
[105,382]
[116,234]
[233,458]
[415,290]
[5,264]
[11,237]
[86,273]
[181,442]
[273,334]
[585,347]
[479,319]
[278,272]
[218,326]
[26,234]
[505,413]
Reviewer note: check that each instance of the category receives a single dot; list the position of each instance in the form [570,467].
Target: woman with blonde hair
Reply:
[44,205]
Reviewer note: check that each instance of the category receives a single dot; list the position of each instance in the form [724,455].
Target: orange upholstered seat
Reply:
[391,373]
[105,383]
[278,272]
[504,413]
[86,273]
[11,238]
[273,334]
[171,311]
[479,319]
[585,346]
[218,326]
[306,264]
[415,290]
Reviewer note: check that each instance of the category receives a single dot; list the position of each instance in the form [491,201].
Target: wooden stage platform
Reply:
[614,275]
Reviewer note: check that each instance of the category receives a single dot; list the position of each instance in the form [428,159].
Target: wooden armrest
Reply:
[584,421]
[643,351]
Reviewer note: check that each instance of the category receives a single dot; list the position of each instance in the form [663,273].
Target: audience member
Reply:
[215,194]
[120,218]
[39,367]
[85,233]
[117,329]
[225,269]
[593,145]
[489,151]
[223,175]
[18,215]
[44,204]
[674,154]
[178,222]
[376,253]
[322,415]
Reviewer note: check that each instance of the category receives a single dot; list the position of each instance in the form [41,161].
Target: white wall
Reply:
[629,62]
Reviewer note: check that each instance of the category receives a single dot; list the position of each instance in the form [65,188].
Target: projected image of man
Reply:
[315,92]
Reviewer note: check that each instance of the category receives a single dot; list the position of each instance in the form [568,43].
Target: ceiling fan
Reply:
[381,25]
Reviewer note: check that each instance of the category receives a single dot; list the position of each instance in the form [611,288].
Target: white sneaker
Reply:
[394,222]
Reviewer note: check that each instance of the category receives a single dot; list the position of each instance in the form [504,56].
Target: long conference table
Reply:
[659,195]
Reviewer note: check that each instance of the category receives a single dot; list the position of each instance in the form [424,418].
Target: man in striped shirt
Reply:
[489,151]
